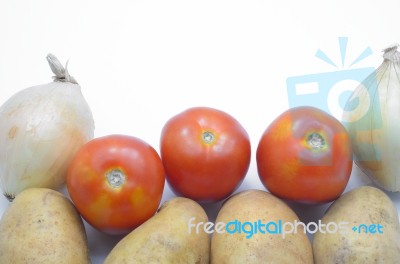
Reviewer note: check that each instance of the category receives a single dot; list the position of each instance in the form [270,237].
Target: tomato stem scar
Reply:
[316,141]
[208,137]
[115,178]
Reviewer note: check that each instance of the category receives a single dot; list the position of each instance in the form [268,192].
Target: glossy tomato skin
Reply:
[116,182]
[206,154]
[305,155]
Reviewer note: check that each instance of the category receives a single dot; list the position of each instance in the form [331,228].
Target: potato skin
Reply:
[165,237]
[364,205]
[42,226]
[254,205]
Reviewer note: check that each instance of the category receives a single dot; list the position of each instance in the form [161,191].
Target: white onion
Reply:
[41,128]
[374,124]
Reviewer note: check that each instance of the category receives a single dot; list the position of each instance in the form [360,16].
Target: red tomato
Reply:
[305,155]
[116,182]
[206,154]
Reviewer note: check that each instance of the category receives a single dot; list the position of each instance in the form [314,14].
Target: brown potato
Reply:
[376,237]
[165,237]
[42,226]
[252,206]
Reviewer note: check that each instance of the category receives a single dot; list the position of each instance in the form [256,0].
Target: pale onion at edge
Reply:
[41,128]
[374,124]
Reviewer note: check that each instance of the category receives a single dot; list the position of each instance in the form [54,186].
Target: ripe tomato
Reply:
[206,154]
[305,155]
[116,182]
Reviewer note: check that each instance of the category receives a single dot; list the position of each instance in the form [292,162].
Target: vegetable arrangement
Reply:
[116,182]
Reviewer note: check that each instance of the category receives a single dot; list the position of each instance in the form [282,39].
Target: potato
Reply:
[376,234]
[42,226]
[260,207]
[165,237]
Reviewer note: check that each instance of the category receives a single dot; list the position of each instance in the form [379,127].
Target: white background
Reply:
[141,62]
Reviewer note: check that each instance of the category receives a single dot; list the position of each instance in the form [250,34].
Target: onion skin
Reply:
[374,126]
[41,128]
